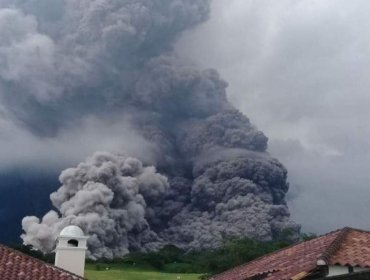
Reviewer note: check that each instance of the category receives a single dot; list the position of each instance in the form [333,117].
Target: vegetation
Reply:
[171,261]
[103,271]
[308,236]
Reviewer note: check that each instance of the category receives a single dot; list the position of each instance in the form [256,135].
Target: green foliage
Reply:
[157,260]
[171,259]
[308,236]
[233,253]
[29,250]
[125,272]
[178,268]
[286,235]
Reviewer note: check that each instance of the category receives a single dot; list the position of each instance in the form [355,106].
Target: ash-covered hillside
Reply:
[110,64]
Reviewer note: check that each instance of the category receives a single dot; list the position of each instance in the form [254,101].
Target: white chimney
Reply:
[71,249]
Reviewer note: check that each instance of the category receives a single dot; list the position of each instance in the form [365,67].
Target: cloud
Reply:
[299,69]
[120,87]
[20,147]
[26,57]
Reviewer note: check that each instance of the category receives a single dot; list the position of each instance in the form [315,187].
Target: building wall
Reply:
[359,269]
[71,256]
[340,270]
[71,260]
[337,270]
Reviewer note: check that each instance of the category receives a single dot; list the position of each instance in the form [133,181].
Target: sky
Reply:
[82,76]
[297,68]
[299,71]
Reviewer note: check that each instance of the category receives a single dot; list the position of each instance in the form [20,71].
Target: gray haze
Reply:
[82,76]
[299,69]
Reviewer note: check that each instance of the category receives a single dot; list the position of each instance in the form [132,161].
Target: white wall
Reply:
[337,270]
[358,269]
[71,258]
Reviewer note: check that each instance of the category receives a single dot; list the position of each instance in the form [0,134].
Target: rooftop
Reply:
[15,265]
[347,247]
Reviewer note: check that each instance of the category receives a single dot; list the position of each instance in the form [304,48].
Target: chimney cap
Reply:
[72,231]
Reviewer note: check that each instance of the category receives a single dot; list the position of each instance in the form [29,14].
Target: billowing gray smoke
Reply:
[62,61]
[106,195]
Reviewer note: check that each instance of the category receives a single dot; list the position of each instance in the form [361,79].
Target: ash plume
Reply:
[64,61]
[106,195]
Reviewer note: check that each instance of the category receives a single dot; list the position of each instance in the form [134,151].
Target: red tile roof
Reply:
[15,265]
[344,247]
[354,250]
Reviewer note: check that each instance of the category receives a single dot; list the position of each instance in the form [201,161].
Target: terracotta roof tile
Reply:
[354,250]
[344,247]
[15,265]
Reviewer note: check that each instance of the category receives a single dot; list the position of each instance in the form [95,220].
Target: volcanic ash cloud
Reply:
[106,196]
[64,61]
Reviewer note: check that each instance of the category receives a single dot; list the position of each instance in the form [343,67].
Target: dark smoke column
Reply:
[114,61]
[223,183]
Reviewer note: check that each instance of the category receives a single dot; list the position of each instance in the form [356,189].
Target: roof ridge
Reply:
[40,261]
[322,251]
[335,245]
[357,229]
[272,253]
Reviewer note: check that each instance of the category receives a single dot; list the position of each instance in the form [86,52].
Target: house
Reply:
[15,265]
[69,260]
[342,254]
